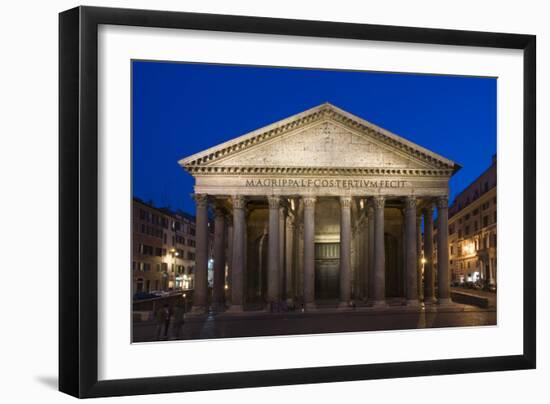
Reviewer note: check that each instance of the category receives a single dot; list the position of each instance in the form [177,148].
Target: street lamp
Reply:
[175,254]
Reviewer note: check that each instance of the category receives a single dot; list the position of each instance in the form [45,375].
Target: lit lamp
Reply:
[174,255]
[423,261]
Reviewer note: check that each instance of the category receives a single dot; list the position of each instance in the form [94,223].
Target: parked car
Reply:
[160,293]
[144,295]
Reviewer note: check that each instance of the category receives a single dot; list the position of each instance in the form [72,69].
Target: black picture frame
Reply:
[78,201]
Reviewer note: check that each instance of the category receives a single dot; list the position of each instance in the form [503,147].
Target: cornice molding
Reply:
[262,170]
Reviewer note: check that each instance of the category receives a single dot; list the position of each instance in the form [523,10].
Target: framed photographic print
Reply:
[270,201]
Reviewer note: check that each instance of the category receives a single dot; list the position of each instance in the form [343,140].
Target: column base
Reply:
[197,311]
[344,306]
[445,302]
[413,303]
[311,306]
[235,308]
[218,307]
[380,304]
[429,300]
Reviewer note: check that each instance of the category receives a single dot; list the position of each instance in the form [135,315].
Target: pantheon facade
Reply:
[321,206]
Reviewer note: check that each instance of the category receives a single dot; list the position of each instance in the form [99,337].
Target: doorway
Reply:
[327,264]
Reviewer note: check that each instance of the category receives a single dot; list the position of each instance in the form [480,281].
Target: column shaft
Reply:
[370,250]
[364,259]
[419,257]
[379,252]
[273,250]
[429,295]
[282,244]
[411,257]
[229,257]
[309,252]
[219,259]
[443,284]
[238,258]
[201,256]
[345,250]
[289,260]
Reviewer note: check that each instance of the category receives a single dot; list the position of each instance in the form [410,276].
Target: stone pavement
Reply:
[327,320]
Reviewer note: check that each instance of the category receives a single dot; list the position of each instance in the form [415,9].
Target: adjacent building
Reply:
[473,231]
[163,248]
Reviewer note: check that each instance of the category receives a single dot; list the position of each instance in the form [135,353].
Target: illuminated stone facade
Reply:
[163,249]
[322,205]
[473,231]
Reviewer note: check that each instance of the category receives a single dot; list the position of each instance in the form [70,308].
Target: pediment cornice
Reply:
[207,161]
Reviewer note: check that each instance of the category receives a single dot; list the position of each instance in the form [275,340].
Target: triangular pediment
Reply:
[324,136]
[325,144]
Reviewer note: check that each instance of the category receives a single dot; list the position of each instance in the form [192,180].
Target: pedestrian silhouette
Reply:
[163,321]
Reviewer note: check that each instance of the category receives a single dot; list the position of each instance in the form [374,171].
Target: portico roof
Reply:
[313,140]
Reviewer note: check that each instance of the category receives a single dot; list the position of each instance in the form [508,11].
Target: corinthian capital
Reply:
[274,201]
[442,202]
[345,202]
[309,201]
[378,202]
[239,201]
[410,202]
[201,200]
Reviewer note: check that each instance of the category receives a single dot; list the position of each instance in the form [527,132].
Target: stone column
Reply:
[229,258]
[273,250]
[238,258]
[429,296]
[309,252]
[370,251]
[411,258]
[364,259]
[299,273]
[283,211]
[443,285]
[219,259]
[379,253]
[419,257]
[201,255]
[289,259]
[345,250]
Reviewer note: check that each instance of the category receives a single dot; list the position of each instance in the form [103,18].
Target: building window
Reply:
[467,230]
[467,217]
[485,221]
[475,226]
[476,212]
[460,234]
[164,267]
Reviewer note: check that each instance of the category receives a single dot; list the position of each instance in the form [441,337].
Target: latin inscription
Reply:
[323,183]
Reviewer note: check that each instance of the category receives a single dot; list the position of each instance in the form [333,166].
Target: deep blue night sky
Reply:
[180,109]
